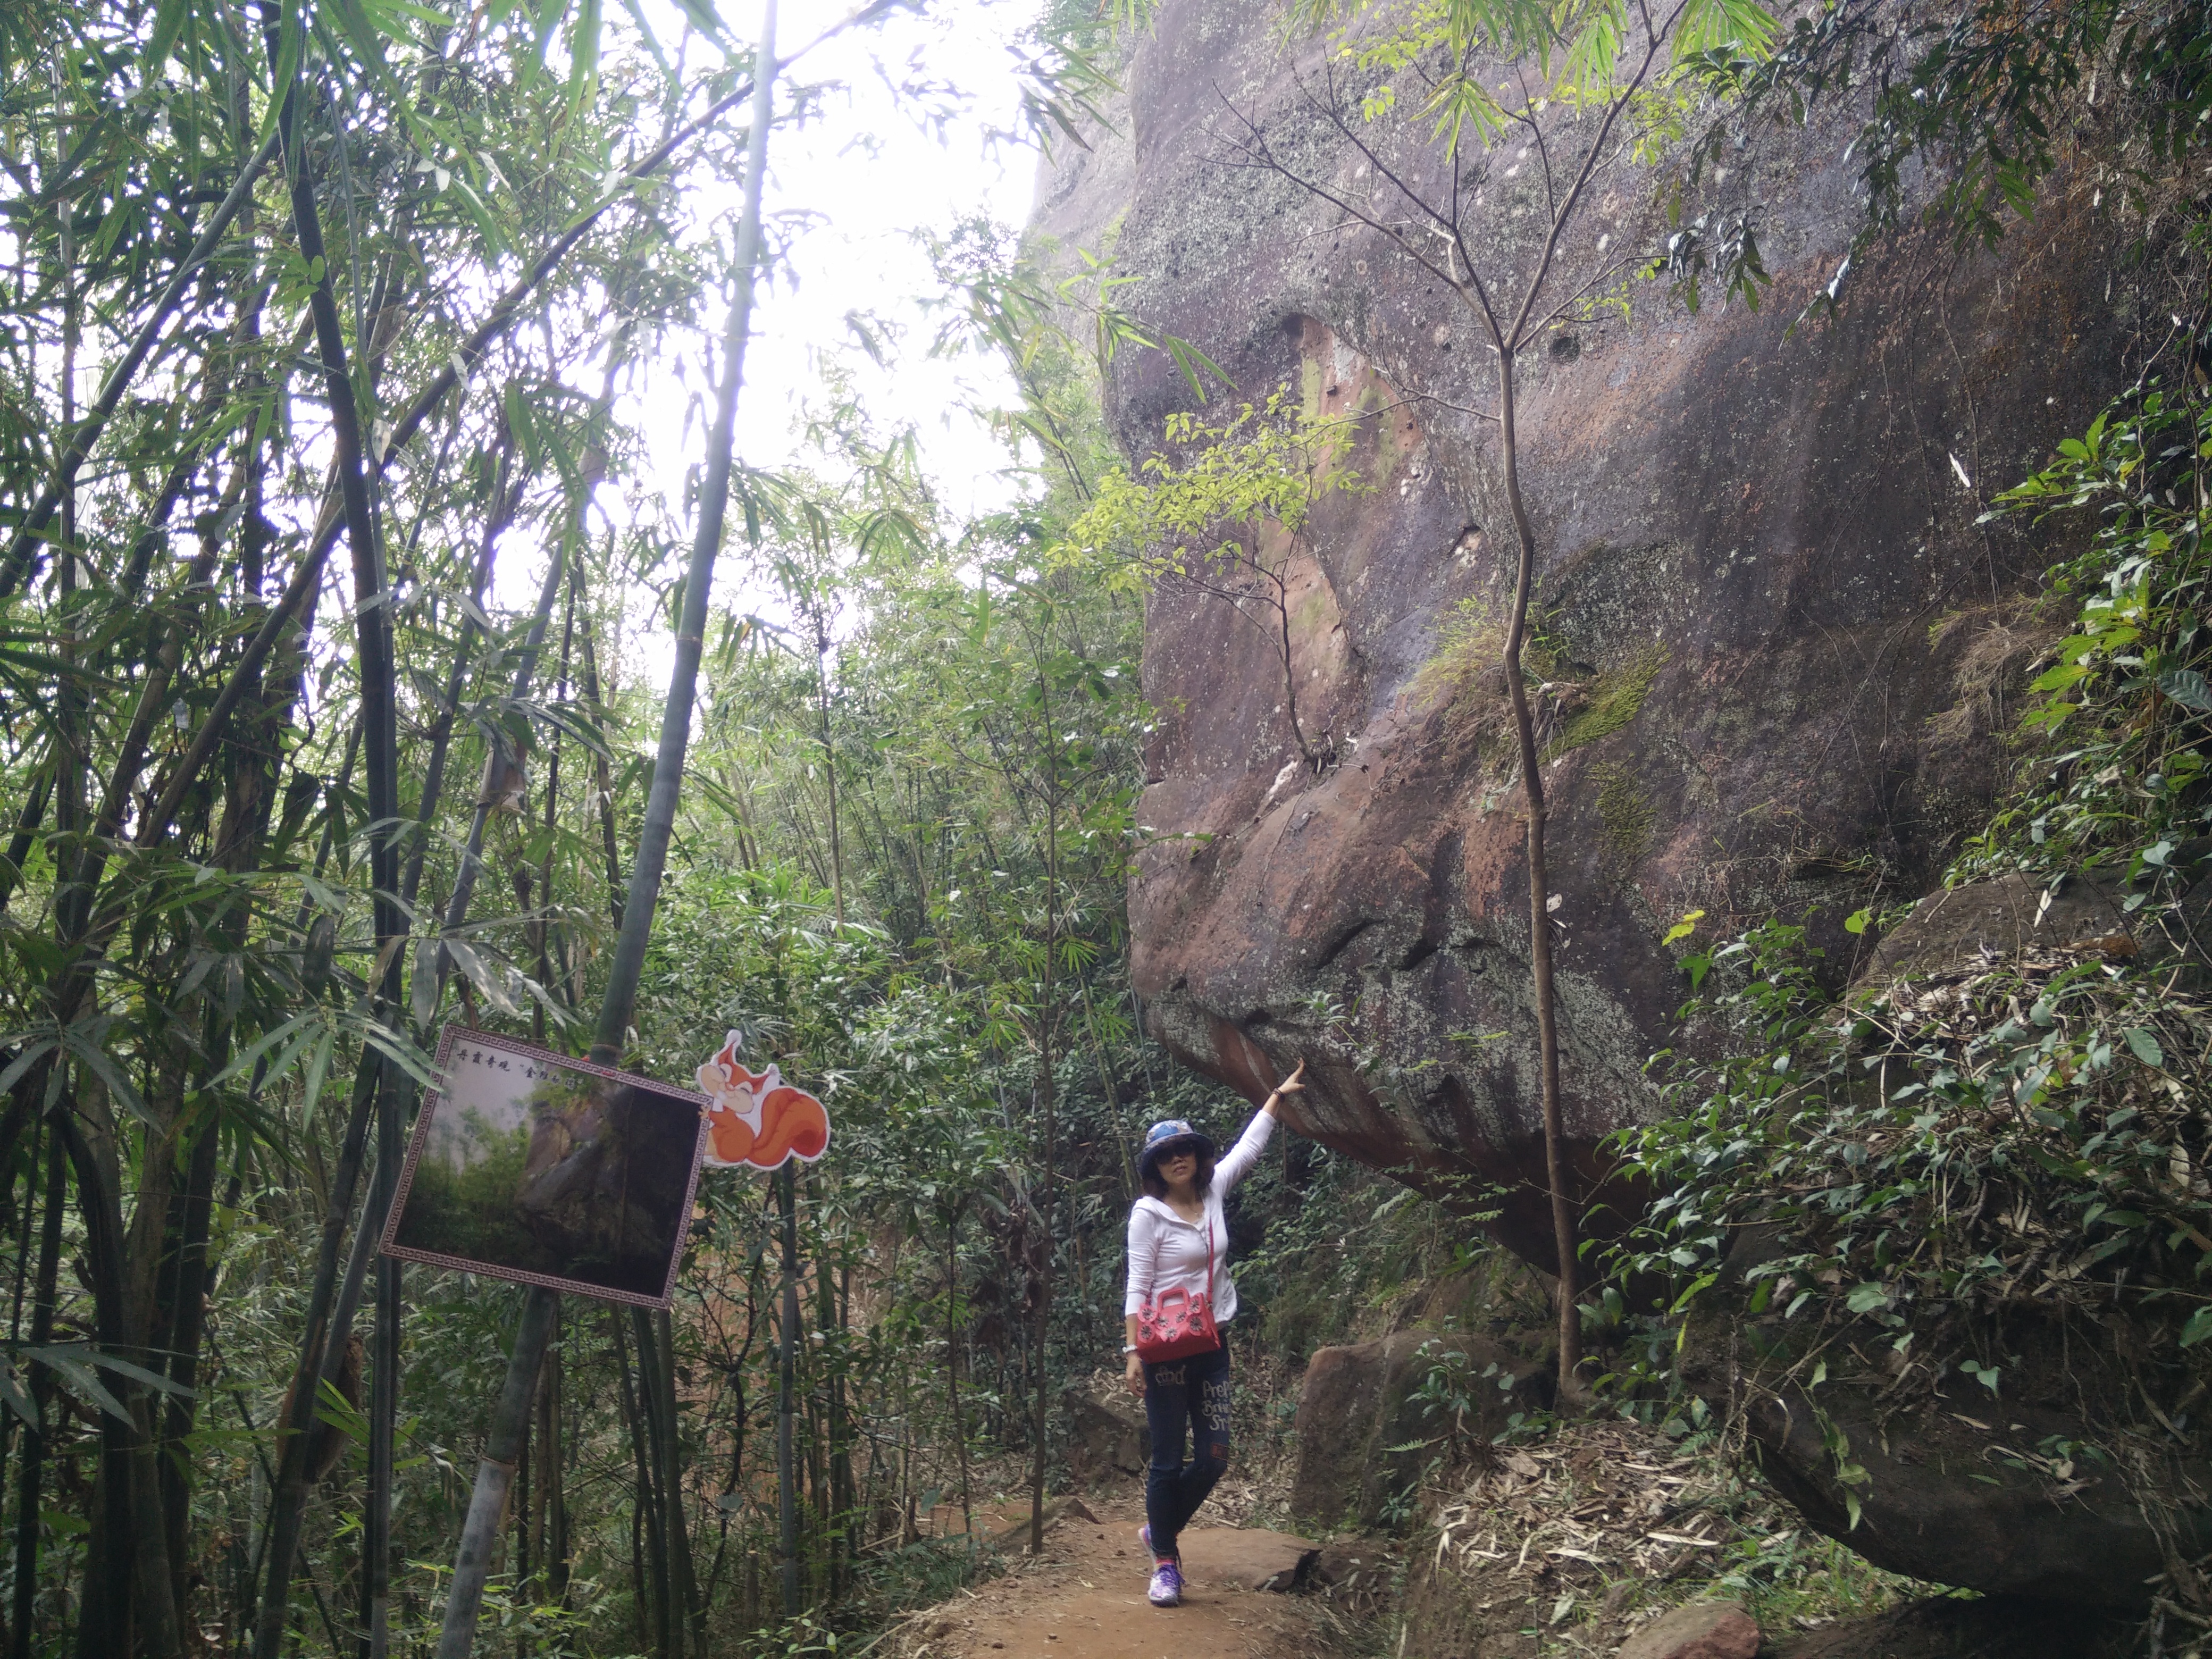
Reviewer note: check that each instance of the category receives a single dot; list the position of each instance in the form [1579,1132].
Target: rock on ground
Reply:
[1703,1630]
[1107,1431]
[1359,1401]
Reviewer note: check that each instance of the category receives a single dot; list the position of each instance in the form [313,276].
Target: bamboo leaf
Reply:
[83,1040]
[319,1067]
[583,57]
[26,1057]
[79,1378]
[244,1062]
[422,1001]
[168,24]
[11,1391]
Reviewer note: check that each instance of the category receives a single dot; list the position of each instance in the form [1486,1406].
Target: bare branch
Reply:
[1261,156]
[1528,114]
[1456,408]
[1560,219]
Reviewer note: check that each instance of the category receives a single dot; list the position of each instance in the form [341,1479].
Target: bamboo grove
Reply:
[323,324]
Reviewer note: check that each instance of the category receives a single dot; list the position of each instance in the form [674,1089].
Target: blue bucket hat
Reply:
[1171,1134]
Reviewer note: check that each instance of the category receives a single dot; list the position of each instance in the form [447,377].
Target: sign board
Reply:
[528,1165]
[757,1121]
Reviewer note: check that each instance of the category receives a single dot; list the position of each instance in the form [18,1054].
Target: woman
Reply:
[1179,1240]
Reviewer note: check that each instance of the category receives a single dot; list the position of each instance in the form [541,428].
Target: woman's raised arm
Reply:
[1237,1162]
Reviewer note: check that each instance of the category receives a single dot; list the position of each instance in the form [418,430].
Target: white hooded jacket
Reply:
[1166,1252]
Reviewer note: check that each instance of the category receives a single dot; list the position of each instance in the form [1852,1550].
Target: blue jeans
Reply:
[1184,1395]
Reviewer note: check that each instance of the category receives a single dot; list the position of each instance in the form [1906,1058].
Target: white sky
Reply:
[872,197]
[870,177]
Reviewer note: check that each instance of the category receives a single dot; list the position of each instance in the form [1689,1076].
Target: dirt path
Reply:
[1084,1599]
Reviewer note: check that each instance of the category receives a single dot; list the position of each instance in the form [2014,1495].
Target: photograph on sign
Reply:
[528,1165]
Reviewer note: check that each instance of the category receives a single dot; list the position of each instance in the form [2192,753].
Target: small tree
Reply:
[1225,510]
[1584,88]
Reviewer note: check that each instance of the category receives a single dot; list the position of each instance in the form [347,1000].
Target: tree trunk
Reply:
[687,1633]
[602,781]
[495,1474]
[657,1395]
[504,503]
[376,1085]
[1539,920]
[645,1507]
[1041,1406]
[550,1524]
[952,1370]
[42,1389]
[786,1461]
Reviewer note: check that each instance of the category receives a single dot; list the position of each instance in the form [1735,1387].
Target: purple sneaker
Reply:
[1144,1537]
[1167,1586]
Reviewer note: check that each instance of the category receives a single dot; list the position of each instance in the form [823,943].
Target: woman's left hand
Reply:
[1292,1085]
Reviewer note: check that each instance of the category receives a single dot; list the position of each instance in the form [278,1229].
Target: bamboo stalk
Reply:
[504,502]
[495,1474]
[1040,1405]
[473,1561]
[498,762]
[650,1563]
[656,1375]
[376,1085]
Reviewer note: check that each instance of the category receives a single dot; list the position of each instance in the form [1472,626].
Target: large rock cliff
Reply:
[1780,627]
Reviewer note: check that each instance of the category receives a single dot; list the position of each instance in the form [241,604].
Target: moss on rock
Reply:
[1616,697]
[1624,811]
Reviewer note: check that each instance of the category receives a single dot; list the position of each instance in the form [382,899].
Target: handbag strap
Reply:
[1156,1291]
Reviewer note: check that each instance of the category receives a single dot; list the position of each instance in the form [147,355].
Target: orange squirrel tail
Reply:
[792,1121]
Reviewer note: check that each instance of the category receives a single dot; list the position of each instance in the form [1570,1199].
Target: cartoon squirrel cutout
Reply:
[757,1118]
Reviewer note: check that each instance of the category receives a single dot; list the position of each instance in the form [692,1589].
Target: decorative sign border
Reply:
[453,1036]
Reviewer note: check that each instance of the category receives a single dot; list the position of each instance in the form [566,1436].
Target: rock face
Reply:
[1957,929]
[1364,1431]
[1775,624]
[2004,1531]
[1945,1628]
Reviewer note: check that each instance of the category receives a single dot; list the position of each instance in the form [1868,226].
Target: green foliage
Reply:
[1465,673]
[1624,811]
[1579,56]
[1212,500]
[2029,1130]
[1906,1159]
[2116,777]
[1346,1248]
[1224,508]
[899,869]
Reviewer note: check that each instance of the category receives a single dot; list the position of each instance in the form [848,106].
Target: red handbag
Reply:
[1174,1324]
